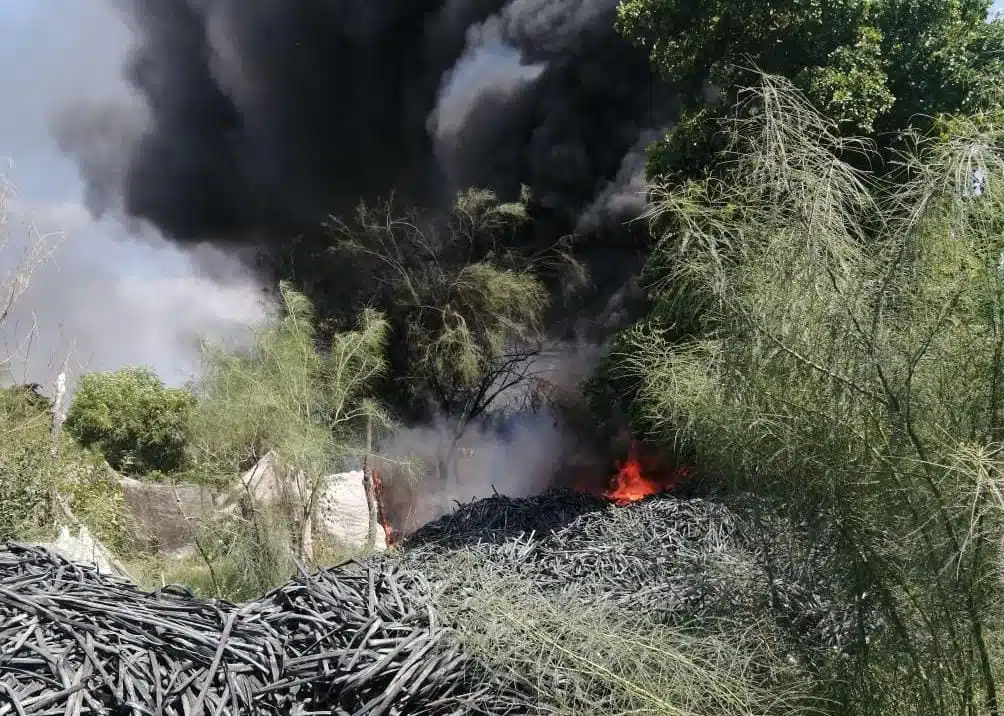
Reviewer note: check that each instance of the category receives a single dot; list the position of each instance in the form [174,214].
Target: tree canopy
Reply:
[135,421]
[466,308]
[873,66]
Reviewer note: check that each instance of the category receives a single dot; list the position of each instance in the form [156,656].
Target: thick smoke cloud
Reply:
[102,293]
[263,116]
[79,312]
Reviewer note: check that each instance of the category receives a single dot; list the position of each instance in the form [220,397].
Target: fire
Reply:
[378,495]
[630,484]
[635,481]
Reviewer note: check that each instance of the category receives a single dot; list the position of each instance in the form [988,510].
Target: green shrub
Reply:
[131,418]
[287,395]
[31,476]
[845,352]
[97,499]
[28,472]
[466,306]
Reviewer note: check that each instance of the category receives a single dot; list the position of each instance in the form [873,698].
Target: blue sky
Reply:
[16,9]
[107,297]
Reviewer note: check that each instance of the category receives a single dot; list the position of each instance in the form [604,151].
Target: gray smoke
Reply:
[79,312]
[476,98]
[625,195]
[102,293]
[520,458]
[96,134]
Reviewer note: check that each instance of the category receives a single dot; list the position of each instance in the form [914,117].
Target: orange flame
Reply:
[633,482]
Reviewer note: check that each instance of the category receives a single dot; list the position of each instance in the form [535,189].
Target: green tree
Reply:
[135,421]
[874,66]
[286,394]
[466,311]
[837,343]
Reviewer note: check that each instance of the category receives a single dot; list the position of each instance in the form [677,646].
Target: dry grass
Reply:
[586,658]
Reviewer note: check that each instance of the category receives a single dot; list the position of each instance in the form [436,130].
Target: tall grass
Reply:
[581,658]
[837,339]
[237,559]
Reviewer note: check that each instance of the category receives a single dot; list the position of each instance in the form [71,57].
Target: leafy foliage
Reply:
[136,422]
[851,87]
[28,471]
[287,395]
[96,498]
[873,65]
[835,340]
[466,312]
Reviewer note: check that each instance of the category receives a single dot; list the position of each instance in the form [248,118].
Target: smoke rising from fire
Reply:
[263,116]
[519,457]
[259,118]
[519,463]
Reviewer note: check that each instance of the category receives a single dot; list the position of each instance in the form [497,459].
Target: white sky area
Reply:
[106,297]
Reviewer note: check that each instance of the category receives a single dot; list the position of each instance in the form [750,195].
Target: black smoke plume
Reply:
[264,116]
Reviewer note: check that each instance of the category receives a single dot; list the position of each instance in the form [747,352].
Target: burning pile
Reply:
[388,635]
[675,561]
[637,478]
[666,557]
[640,472]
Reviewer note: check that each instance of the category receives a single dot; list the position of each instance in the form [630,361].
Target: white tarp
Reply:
[342,513]
[84,549]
